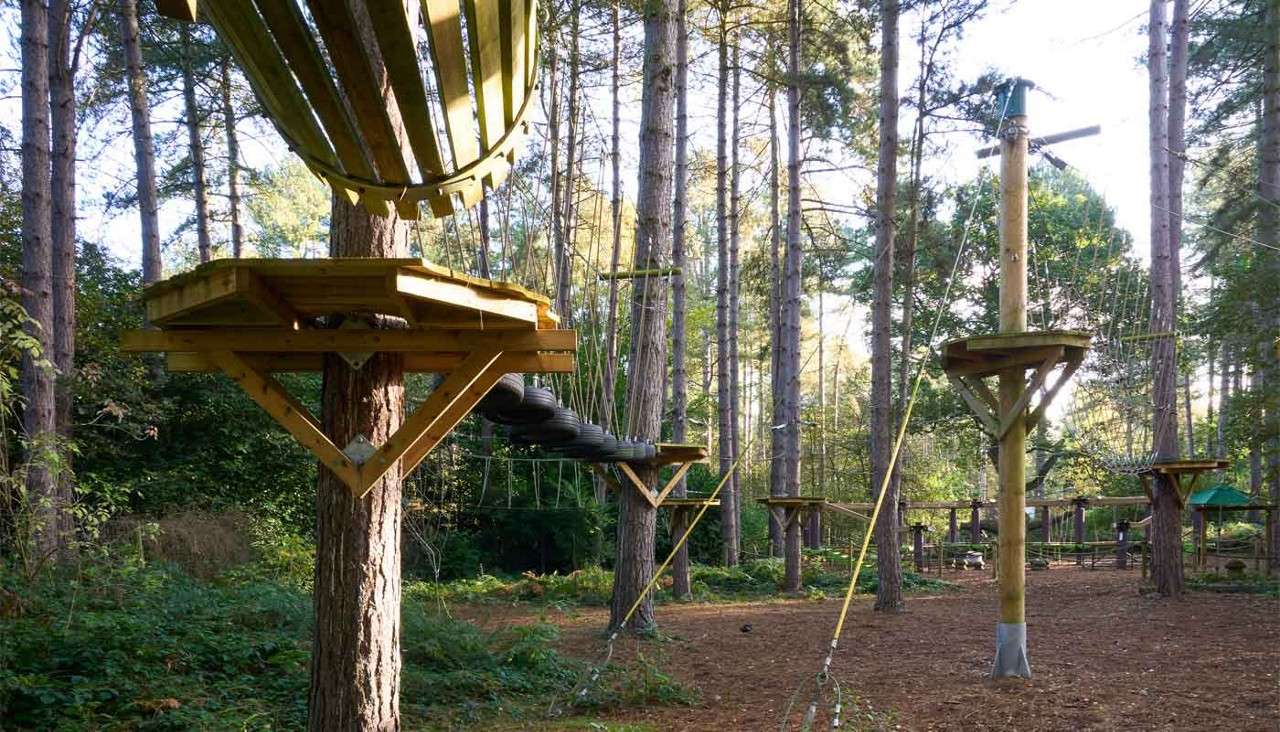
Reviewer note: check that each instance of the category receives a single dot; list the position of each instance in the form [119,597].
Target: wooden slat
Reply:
[279,340]
[166,304]
[400,54]
[451,400]
[298,44]
[529,362]
[456,295]
[638,484]
[362,89]
[447,55]
[976,406]
[514,80]
[289,414]
[252,287]
[531,42]
[239,24]
[1007,421]
[484,38]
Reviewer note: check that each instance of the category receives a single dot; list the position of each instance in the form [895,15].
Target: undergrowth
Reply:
[752,580]
[116,645]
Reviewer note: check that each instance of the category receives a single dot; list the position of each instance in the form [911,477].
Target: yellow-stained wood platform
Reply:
[249,318]
[462,83]
[967,361]
[794,508]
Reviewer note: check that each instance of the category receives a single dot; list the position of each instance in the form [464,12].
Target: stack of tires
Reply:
[535,417]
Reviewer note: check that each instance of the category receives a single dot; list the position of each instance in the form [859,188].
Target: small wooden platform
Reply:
[251,317]
[682,455]
[1183,474]
[967,361]
[672,502]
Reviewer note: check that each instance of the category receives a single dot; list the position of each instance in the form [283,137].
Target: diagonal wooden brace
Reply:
[1067,372]
[452,400]
[1010,418]
[289,414]
[671,484]
[639,484]
[981,409]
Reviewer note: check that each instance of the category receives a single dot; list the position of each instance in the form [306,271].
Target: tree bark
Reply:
[356,663]
[62,99]
[724,382]
[615,210]
[888,565]
[789,355]
[1166,539]
[1269,234]
[564,280]
[144,153]
[636,518]
[681,585]
[233,162]
[196,145]
[1177,144]
[777,438]
[39,420]
[735,287]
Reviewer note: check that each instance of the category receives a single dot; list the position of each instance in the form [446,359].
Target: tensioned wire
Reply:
[823,675]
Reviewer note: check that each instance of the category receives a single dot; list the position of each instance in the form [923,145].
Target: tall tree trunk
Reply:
[559,256]
[1177,143]
[1186,413]
[735,287]
[38,415]
[888,566]
[724,382]
[564,280]
[615,210]
[196,146]
[680,586]
[1269,233]
[62,99]
[144,153]
[1165,517]
[789,356]
[636,518]
[356,662]
[1224,400]
[777,438]
[233,161]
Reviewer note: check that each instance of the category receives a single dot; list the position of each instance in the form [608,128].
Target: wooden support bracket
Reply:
[421,431]
[671,484]
[638,484]
[1010,418]
[980,408]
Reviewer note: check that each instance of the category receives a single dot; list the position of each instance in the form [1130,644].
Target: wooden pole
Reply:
[1011,632]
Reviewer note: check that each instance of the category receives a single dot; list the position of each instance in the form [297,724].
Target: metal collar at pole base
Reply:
[1011,651]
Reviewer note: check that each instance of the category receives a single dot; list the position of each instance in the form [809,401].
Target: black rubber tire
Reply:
[588,441]
[561,428]
[603,453]
[506,394]
[628,451]
[537,405]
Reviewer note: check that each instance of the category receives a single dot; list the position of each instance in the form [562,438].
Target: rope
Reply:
[580,690]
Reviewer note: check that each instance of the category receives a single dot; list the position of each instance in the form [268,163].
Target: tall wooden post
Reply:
[917,545]
[1011,632]
[975,523]
[952,528]
[1122,544]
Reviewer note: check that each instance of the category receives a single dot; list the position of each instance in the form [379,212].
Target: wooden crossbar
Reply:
[271,340]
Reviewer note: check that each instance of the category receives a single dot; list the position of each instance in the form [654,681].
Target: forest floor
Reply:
[1103,655]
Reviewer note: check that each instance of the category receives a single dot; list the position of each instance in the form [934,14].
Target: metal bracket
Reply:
[359,450]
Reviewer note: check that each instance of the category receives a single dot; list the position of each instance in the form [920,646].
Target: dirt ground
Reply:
[1102,656]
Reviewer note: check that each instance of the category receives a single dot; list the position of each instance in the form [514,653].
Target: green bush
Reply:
[122,645]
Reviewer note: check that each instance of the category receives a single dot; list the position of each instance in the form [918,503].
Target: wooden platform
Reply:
[675,453]
[967,361]
[1182,473]
[671,502]
[682,455]
[249,318]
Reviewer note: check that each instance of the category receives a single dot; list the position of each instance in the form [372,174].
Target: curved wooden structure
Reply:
[464,103]
[250,317]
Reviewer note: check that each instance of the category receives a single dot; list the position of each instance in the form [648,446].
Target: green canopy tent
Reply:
[1210,503]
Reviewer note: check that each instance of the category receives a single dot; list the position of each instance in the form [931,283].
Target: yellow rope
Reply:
[657,574]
